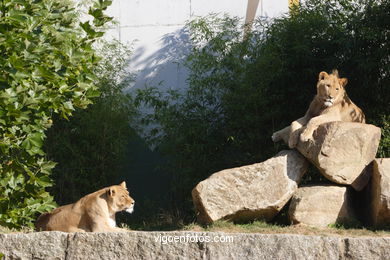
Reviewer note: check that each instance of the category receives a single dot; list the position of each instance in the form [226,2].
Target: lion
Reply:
[94,212]
[330,104]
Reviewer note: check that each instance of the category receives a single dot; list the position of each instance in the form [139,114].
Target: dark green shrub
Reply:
[90,148]
[46,66]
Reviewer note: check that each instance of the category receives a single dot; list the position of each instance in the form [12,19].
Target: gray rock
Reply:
[143,245]
[380,192]
[321,205]
[342,151]
[257,191]
[43,245]
[364,248]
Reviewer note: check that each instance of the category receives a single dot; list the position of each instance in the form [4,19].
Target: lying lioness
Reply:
[94,212]
[330,104]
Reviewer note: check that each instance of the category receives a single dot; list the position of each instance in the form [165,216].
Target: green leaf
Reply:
[36,139]
[44,72]
[17,16]
[88,29]
[91,93]
[47,167]
[68,105]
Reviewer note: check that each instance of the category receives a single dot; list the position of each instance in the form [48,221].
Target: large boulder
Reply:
[342,150]
[321,205]
[380,192]
[256,191]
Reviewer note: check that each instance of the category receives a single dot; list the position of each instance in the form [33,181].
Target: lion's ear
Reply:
[123,184]
[111,192]
[335,72]
[343,81]
[322,75]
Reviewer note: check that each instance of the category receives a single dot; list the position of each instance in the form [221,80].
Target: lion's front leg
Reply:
[101,224]
[75,229]
[293,140]
[295,130]
[314,123]
[290,134]
[117,229]
[307,134]
[102,227]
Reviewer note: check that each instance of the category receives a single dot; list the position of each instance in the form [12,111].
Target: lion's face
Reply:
[120,199]
[330,88]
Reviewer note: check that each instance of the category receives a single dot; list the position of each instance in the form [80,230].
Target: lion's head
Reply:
[330,88]
[119,198]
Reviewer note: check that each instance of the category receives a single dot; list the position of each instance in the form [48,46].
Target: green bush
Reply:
[241,90]
[91,147]
[46,66]
[384,146]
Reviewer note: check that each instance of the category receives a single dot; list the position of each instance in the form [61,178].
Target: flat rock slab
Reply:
[380,192]
[143,245]
[342,150]
[321,205]
[150,245]
[256,191]
[42,245]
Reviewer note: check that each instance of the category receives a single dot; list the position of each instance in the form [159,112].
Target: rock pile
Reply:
[343,152]
[249,192]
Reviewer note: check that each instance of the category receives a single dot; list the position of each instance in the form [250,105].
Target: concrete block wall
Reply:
[155,30]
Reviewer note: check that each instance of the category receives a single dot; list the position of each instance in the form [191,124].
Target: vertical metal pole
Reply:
[120,21]
[251,10]
[250,15]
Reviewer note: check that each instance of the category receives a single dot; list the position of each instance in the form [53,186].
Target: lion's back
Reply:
[352,113]
[55,219]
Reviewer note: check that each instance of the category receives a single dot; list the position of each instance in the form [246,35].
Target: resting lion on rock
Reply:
[330,104]
[94,212]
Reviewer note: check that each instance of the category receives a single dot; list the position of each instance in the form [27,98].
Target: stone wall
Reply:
[146,245]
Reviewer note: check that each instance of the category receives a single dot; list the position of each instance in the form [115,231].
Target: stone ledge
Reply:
[143,245]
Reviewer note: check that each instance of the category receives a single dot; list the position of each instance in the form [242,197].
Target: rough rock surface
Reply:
[249,192]
[342,150]
[321,205]
[380,192]
[146,245]
[42,245]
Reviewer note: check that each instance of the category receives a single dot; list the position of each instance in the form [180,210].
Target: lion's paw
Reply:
[293,140]
[276,137]
[292,143]
[306,137]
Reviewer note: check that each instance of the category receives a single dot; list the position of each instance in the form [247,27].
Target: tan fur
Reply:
[330,104]
[94,212]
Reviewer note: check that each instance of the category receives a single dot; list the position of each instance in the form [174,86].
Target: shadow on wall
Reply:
[163,68]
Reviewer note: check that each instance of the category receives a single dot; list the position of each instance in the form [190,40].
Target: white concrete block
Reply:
[153,12]
[273,8]
[231,7]
[114,10]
